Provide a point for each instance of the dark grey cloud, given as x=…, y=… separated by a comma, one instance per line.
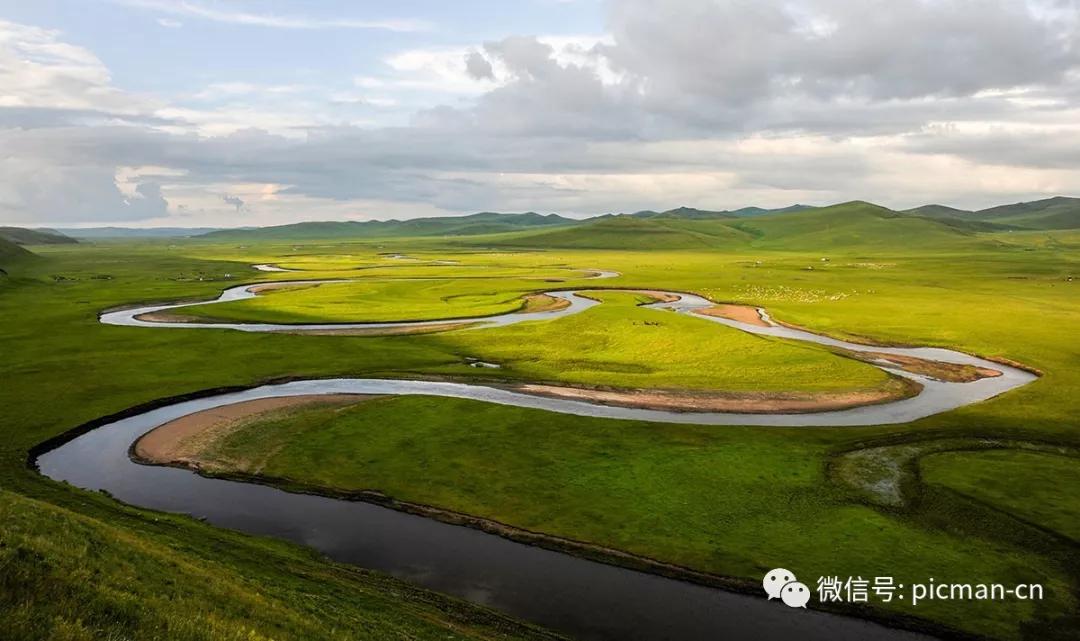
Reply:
x=1039, y=149
x=725, y=68
x=743, y=51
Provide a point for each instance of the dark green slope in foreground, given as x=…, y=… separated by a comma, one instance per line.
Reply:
x=21, y=236
x=107, y=572
x=482, y=223
x=10, y=253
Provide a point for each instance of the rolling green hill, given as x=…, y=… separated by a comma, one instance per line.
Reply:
x=938, y=211
x=691, y=213
x=1052, y=213
x=796, y=227
x=747, y=212
x=854, y=224
x=22, y=236
x=482, y=223
x=630, y=232
x=688, y=213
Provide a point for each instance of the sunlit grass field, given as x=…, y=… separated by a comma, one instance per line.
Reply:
x=731, y=501
x=615, y=344
x=620, y=344
x=374, y=301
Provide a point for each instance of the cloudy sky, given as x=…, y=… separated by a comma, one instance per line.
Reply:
x=242, y=112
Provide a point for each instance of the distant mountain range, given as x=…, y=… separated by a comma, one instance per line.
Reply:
x=93, y=233
x=475, y=224
x=680, y=227
x=854, y=224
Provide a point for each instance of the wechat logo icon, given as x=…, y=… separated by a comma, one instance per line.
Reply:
x=782, y=584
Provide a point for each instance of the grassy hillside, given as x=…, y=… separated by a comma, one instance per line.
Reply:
x=938, y=211
x=692, y=213
x=857, y=222
x=848, y=226
x=482, y=223
x=747, y=212
x=21, y=236
x=1051, y=213
x=629, y=232
x=10, y=253
x=683, y=212
x=103, y=571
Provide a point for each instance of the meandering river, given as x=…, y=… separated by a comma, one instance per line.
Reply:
x=585, y=599
x=935, y=397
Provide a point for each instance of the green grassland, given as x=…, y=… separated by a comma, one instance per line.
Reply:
x=732, y=501
x=1027, y=484
x=387, y=295
x=616, y=344
x=724, y=501
x=619, y=344
x=374, y=301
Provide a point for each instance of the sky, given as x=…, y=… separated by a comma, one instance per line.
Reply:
x=226, y=113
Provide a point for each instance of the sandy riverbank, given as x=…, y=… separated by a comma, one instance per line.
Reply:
x=741, y=313
x=180, y=442
x=735, y=402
